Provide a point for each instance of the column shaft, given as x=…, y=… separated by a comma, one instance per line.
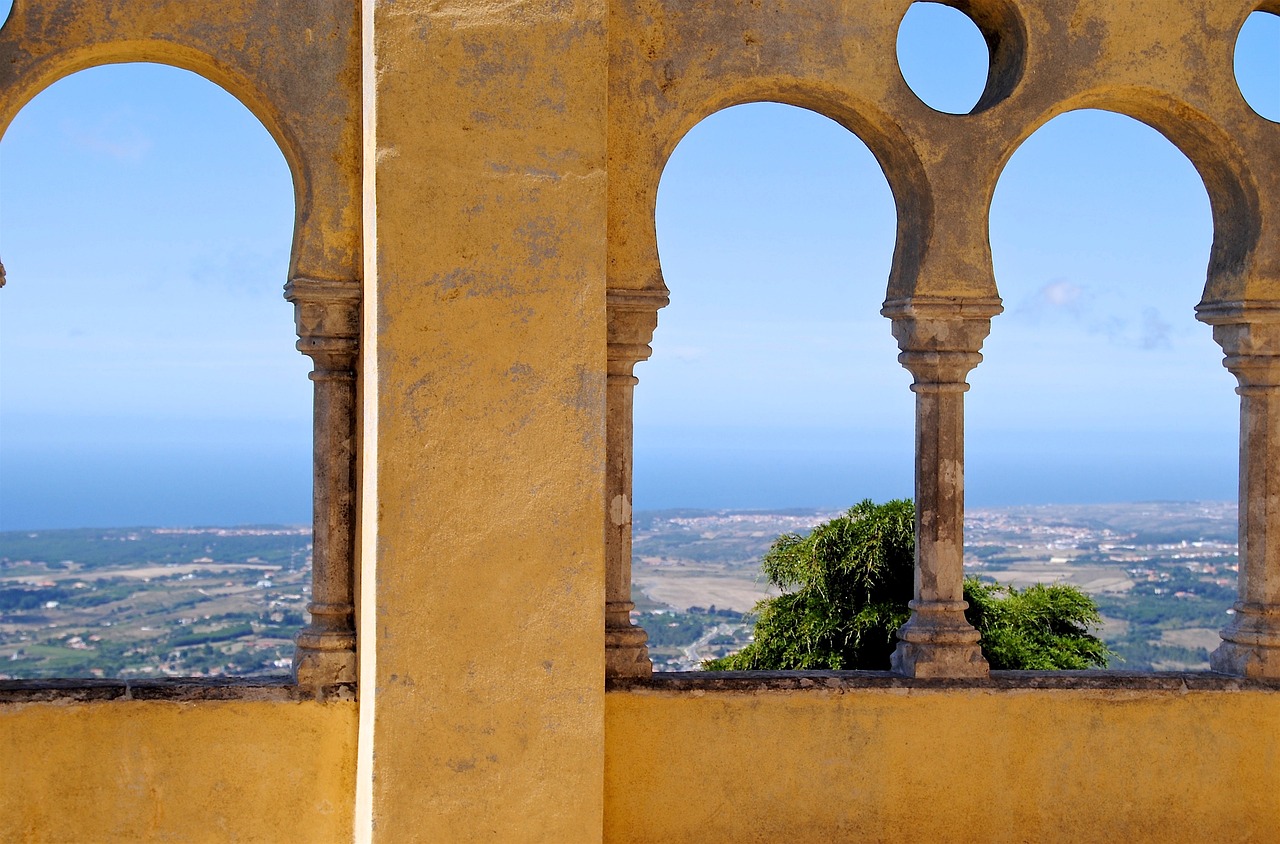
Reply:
x=633, y=315
x=940, y=343
x=626, y=652
x=327, y=316
x=1251, y=340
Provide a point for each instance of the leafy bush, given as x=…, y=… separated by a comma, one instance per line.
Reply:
x=845, y=591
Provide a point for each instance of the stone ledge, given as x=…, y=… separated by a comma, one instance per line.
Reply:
x=839, y=681
x=171, y=689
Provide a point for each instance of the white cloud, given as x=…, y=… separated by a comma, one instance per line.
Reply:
x=684, y=354
x=1056, y=297
x=1155, y=331
x=114, y=136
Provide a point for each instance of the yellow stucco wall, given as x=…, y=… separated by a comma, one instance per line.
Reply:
x=488, y=383
x=128, y=771
x=928, y=766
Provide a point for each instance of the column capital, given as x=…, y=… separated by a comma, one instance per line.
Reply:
x=327, y=316
x=940, y=339
x=1249, y=335
x=632, y=318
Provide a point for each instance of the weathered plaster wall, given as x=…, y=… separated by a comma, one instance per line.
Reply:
x=490, y=193
x=129, y=771
x=962, y=765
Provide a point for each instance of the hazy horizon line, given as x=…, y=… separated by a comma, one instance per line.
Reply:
x=647, y=511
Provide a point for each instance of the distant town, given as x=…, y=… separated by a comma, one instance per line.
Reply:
x=152, y=602
x=207, y=602
x=1163, y=574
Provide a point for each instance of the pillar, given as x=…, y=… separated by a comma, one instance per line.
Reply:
x=940, y=342
x=327, y=314
x=1250, y=339
x=633, y=316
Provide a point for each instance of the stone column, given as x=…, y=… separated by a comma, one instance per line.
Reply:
x=327, y=314
x=633, y=315
x=939, y=342
x=1250, y=337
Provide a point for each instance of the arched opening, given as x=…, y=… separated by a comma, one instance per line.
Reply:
x=154, y=405
x=943, y=57
x=1102, y=428
x=774, y=385
x=1257, y=63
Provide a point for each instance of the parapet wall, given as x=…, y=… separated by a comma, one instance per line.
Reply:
x=1138, y=759
x=116, y=770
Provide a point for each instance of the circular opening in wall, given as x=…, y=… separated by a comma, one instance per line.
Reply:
x=6, y=9
x=943, y=57
x=1258, y=63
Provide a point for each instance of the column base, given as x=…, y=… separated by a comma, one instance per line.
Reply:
x=937, y=641
x=1251, y=646
x=320, y=660
x=626, y=653
x=936, y=660
x=1246, y=661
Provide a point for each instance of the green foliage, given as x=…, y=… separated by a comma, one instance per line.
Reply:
x=843, y=594
x=1040, y=628
x=845, y=591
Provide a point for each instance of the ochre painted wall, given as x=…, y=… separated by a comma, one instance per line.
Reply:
x=129, y=771
x=932, y=766
x=487, y=615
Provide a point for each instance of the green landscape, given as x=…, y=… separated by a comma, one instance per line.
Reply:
x=1163, y=574
x=152, y=602
x=208, y=602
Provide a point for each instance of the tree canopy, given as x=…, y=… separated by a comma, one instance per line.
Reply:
x=845, y=589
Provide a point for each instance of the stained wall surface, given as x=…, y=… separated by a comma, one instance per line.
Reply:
x=963, y=765
x=488, y=718
x=197, y=771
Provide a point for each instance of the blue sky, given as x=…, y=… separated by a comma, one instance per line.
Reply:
x=147, y=368
x=147, y=373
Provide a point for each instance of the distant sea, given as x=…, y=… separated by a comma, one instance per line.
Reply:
x=1000, y=471
x=231, y=485
x=222, y=486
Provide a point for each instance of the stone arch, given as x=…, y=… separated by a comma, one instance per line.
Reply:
x=46, y=40
x=632, y=313
x=1100, y=233
x=61, y=65
x=239, y=46
x=887, y=141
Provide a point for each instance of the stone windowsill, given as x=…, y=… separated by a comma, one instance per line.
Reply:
x=839, y=681
x=170, y=689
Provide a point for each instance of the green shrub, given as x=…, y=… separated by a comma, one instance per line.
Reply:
x=845, y=591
